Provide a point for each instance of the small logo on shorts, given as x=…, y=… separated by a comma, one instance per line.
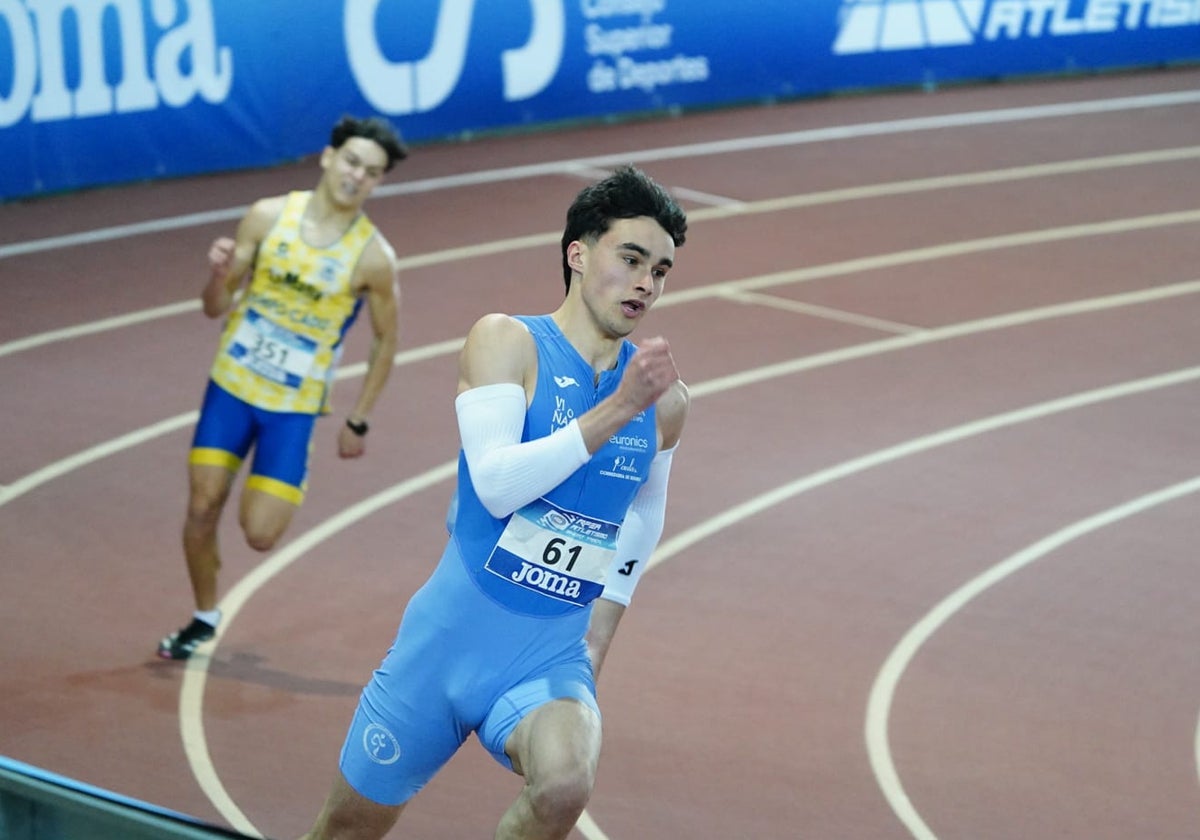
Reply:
x=380, y=745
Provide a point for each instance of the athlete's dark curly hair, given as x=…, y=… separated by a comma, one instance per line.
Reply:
x=625, y=194
x=372, y=128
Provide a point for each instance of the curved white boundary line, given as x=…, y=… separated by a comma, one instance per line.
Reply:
x=191, y=722
x=102, y=325
x=716, y=147
x=193, y=735
x=194, y=738
x=57, y=469
x=192, y=691
x=922, y=444
x=884, y=689
x=61, y=467
x=772, y=205
x=1197, y=756
x=35, y=479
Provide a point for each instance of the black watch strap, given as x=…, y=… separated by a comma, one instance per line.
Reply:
x=360, y=428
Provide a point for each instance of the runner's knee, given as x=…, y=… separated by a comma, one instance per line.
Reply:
x=561, y=798
x=204, y=507
x=261, y=536
x=264, y=518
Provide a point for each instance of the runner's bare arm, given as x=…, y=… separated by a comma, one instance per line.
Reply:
x=381, y=285
x=230, y=261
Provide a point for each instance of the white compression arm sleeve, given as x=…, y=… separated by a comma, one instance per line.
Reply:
x=506, y=472
x=640, y=532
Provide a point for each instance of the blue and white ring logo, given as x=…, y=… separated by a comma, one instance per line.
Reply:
x=556, y=520
x=380, y=745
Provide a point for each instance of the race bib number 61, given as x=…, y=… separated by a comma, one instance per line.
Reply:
x=559, y=553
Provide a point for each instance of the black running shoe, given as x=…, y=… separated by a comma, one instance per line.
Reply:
x=184, y=641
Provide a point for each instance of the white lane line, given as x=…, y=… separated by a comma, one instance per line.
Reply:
x=470, y=252
x=884, y=689
x=191, y=692
x=588, y=828
x=191, y=713
x=947, y=182
x=935, y=334
x=145, y=434
x=922, y=444
x=775, y=205
x=87, y=456
x=904, y=126
x=854, y=266
x=824, y=312
x=573, y=166
x=966, y=328
x=689, y=194
x=1197, y=751
x=91, y=237
x=191, y=696
x=114, y=323
x=589, y=173
x=406, y=357
x=936, y=252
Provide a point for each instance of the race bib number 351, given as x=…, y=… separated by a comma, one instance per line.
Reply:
x=272, y=351
x=559, y=553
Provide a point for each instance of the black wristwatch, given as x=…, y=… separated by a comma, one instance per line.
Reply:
x=360, y=428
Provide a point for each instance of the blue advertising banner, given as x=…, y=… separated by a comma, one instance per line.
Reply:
x=103, y=91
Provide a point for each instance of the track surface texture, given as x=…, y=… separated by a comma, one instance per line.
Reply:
x=929, y=567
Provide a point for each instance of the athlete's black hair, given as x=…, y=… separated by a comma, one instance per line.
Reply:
x=372, y=128
x=625, y=194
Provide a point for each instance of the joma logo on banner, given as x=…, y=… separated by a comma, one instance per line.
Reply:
x=149, y=78
x=152, y=74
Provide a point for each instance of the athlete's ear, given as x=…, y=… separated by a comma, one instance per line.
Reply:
x=575, y=255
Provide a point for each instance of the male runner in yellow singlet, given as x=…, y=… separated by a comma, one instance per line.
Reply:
x=312, y=259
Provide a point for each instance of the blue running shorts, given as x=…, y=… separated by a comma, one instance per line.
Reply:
x=460, y=663
x=282, y=442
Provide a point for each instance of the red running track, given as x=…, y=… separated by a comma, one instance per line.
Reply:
x=929, y=567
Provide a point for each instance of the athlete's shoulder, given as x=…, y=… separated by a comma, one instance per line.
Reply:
x=498, y=333
x=271, y=205
x=264, y=212
x=378, y=263
x=498, y=326
x=498, y=348
x=258, y=221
